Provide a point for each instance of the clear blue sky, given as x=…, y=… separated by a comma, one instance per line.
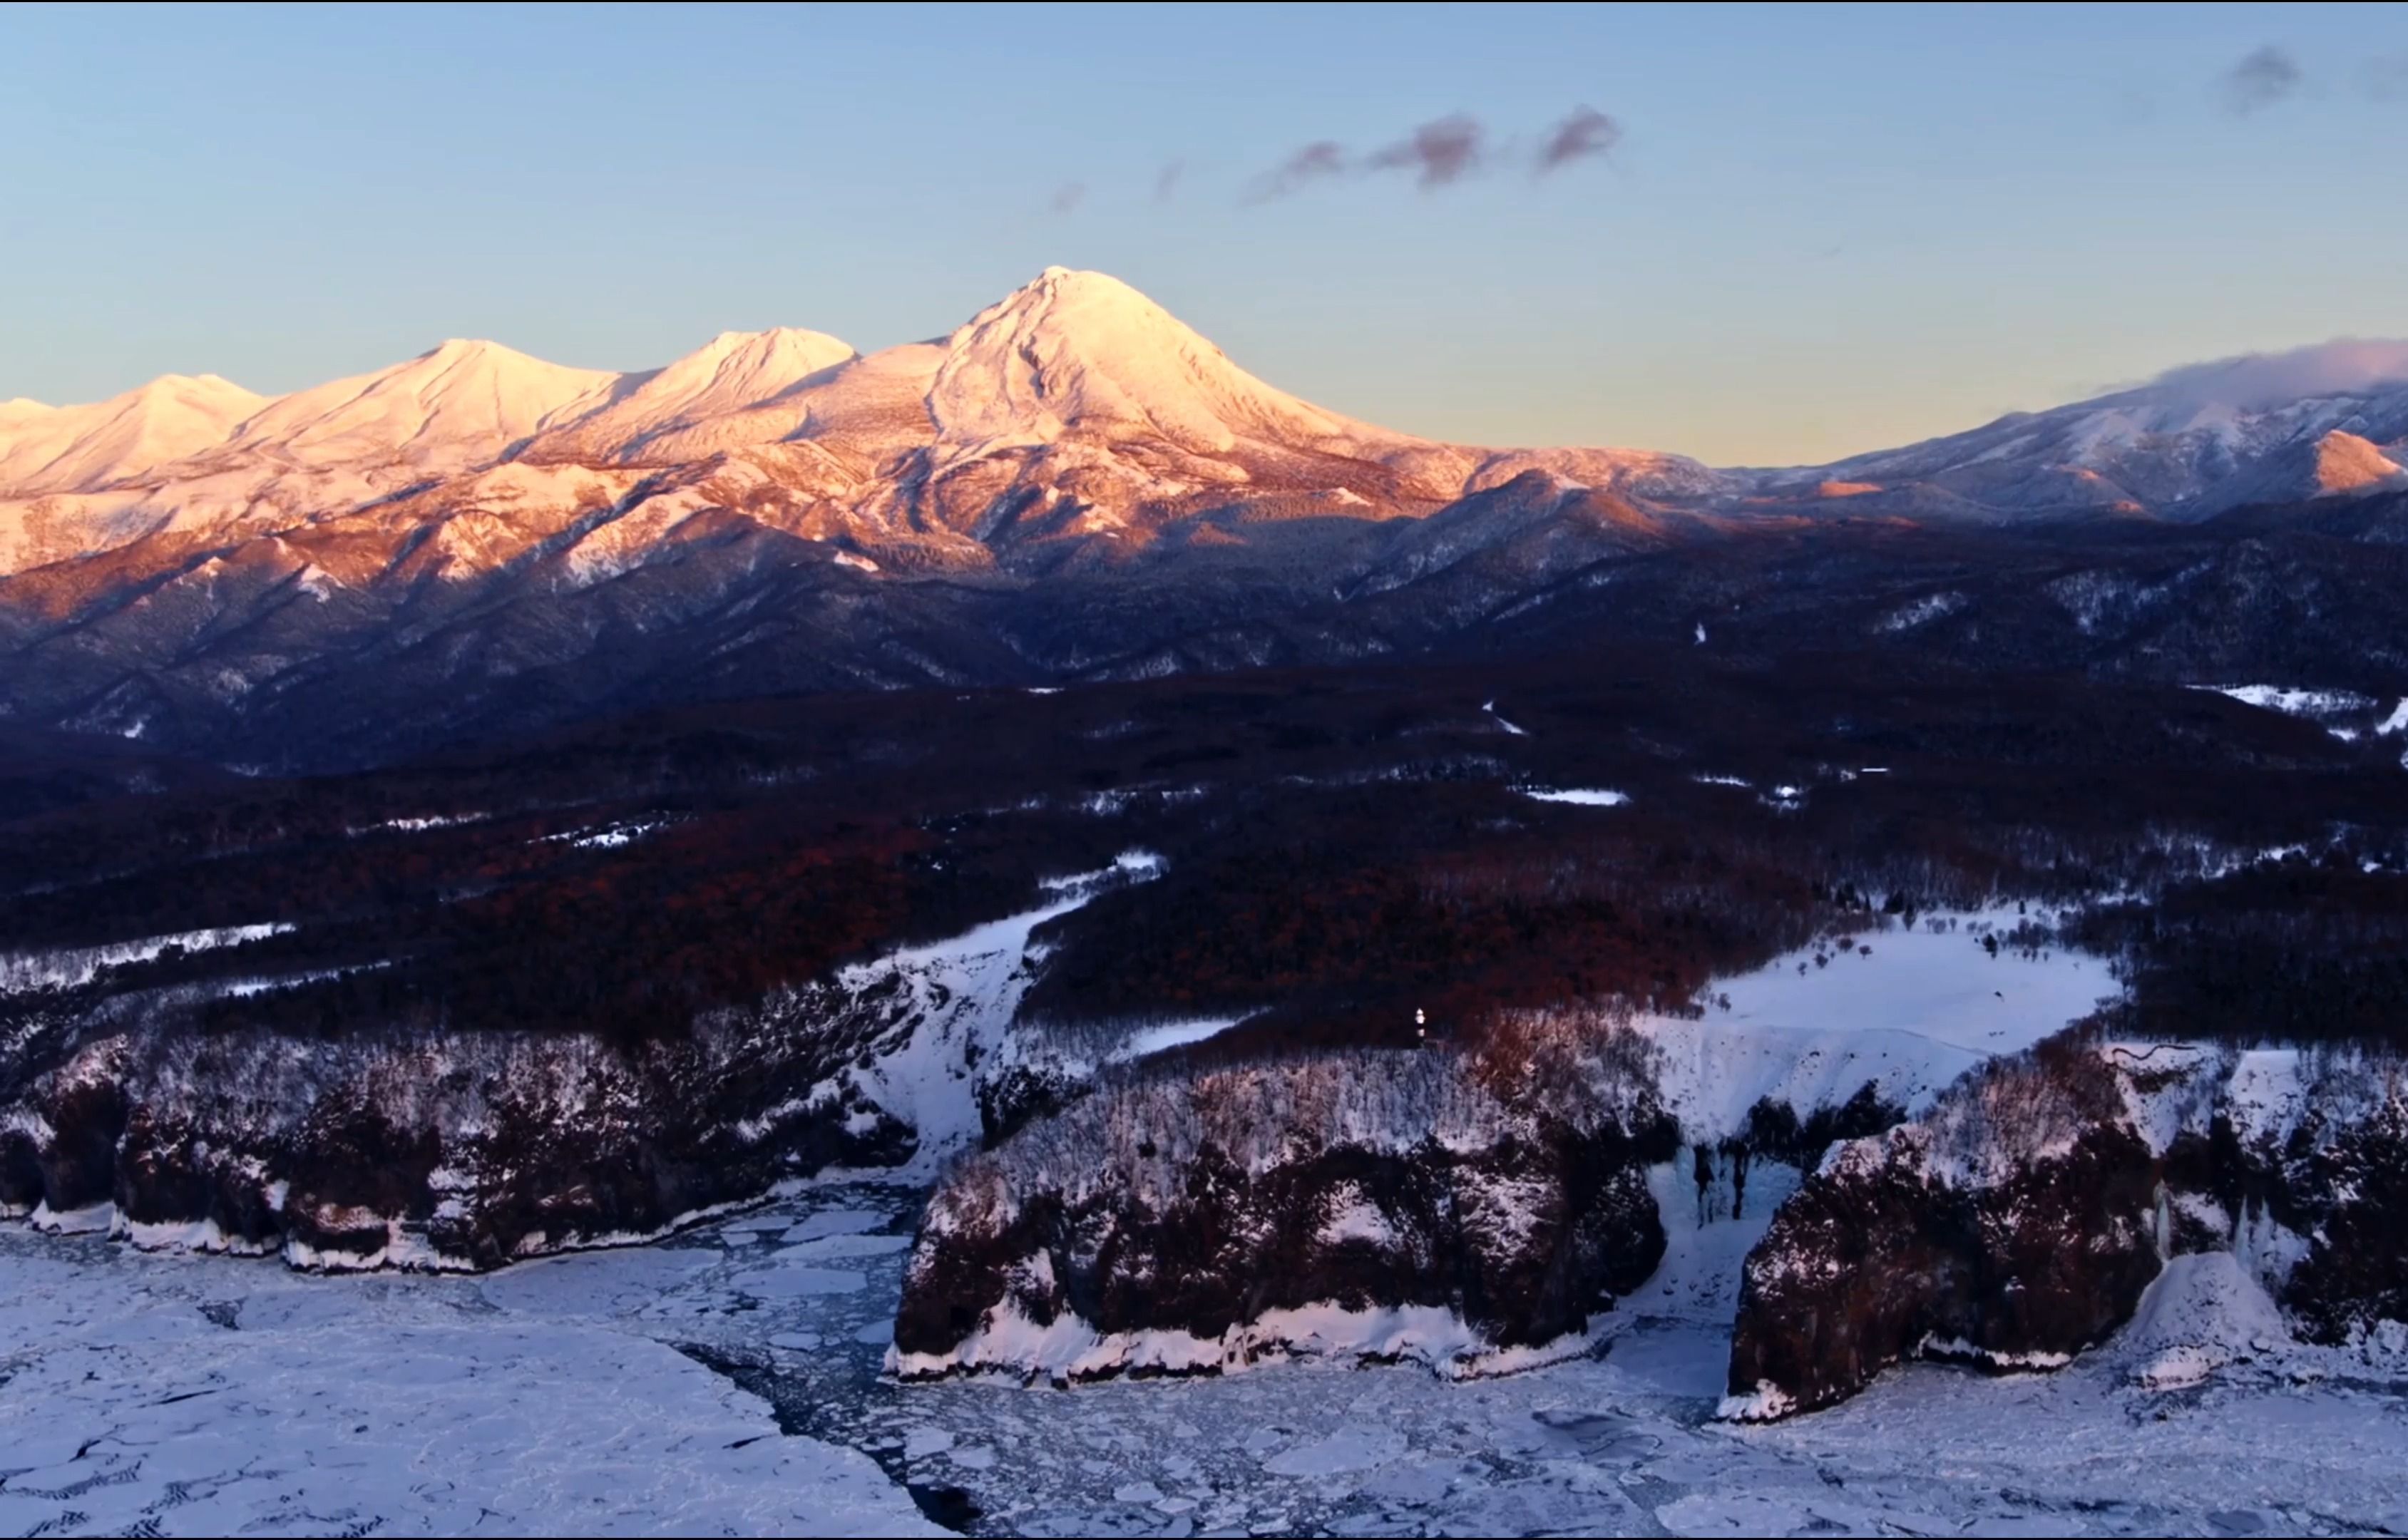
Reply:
x=1822, y=231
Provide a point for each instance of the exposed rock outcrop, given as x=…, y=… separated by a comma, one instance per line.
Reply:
x=405, y=1144
x=1438, y=1204
x=2020, y=1220
x=410, y=1148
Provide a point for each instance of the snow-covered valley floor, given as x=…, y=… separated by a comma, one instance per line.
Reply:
x=612, y=1392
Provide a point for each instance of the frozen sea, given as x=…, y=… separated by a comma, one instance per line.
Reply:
x=727, y=1381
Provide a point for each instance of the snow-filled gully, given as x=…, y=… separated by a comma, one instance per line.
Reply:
x=968, y=989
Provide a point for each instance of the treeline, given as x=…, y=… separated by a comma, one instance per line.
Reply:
x=2298, y=948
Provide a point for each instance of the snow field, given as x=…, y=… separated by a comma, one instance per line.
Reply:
x=1907, y=1008
x=175, y=1396
x=70, y=967
x=1578, y=796
x=542, y=1399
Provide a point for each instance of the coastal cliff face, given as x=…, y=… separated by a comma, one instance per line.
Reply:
x=1475, y=1204
x=1431, y=1205
x=451, y=1017
x=2020, y=1221
x=1425, y=1205
x=417, y=1147
x=417, y=1151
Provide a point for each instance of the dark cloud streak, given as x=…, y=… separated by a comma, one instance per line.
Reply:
x=1166, y=182
x=1439, y=154
x=1443, y=151
x=1317, y=162
x=1587, y=132
x=2263, y=77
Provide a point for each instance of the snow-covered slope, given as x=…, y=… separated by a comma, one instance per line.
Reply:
x=1638, y=473
x=859, y=410
x=78, y=449
x=623, y=526
x=1907, y=1014
x=461, y=405
x=21, y=412
x=1084, y=353
x=723, y=379
x=2191, y=443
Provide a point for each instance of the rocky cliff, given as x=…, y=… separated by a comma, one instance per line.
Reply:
x=412, y=1146
x=2020, y=1220
x=1437, y=1204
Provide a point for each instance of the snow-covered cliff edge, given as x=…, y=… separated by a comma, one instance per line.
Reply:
x=2021, y=1220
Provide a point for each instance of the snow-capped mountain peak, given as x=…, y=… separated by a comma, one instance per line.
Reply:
x=1077, y=409
x=732, y=373
x=1080, y=351
x=460, y=404
x=75, y=449
x=739, y=369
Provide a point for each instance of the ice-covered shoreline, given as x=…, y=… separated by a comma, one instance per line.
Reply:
x=177, y=1395
x=731, y=1376
x=202, y=1395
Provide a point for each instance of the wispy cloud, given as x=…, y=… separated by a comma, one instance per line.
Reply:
x=2263, y=77
x=1585, y=133
x=1437, y=152
x=1443, y=151
x=1317, y=162
x=1069, y=196
x=1166, y=182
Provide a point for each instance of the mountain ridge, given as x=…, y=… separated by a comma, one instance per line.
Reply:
x=1085, y=358
x=66, y=449
x=2184, y=446
x=1072, y=484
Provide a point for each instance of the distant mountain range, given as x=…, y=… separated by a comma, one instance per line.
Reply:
x=1074, y=411
x=1073, y=483
x=2273, y=429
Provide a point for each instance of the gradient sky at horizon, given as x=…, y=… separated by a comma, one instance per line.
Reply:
x=1822, y=231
